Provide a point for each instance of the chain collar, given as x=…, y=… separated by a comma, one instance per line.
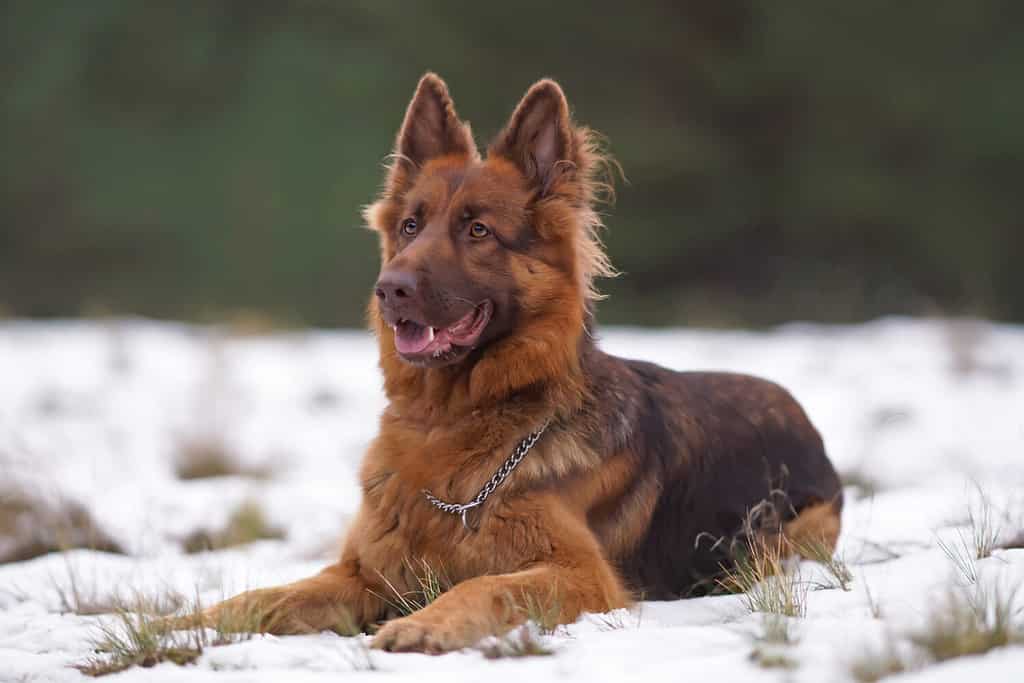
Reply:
x=495, y=481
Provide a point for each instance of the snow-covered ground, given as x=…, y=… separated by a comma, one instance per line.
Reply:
x=929, y=412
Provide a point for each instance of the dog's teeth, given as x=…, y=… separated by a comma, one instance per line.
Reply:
x=431, y=332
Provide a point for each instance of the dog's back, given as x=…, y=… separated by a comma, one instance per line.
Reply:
x=725, y=454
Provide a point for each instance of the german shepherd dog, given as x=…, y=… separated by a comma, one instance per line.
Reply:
x=513, y=453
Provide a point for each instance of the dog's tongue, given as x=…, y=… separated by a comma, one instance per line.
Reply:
x=411, y=337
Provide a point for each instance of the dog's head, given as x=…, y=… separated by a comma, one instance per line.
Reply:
x=474, y=250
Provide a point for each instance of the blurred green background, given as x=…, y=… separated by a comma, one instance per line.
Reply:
x=808, y=160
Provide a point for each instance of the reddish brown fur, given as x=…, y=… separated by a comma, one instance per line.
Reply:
x=589, y=516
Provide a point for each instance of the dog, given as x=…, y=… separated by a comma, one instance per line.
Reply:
x=514, y=454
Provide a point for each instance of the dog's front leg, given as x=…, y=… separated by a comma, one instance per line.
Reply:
x=555, y=589
x=334, y=599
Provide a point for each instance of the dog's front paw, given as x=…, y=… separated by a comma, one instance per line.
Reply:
x=417, y=634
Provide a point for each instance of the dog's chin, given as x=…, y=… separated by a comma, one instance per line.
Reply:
x=425, y=346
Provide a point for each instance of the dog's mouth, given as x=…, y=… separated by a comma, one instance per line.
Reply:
x=420, y=342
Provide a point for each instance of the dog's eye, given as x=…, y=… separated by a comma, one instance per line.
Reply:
x=409, y=227
x=479, y=230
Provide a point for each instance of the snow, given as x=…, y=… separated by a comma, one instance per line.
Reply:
x=932, y=411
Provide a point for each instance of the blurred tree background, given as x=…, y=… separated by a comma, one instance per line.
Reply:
x=807, y=160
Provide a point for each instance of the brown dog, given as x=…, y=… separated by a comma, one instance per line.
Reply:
x=483, y=316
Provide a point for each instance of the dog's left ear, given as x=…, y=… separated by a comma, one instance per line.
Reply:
x=539, y=136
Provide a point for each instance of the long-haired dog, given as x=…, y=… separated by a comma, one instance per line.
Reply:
x=516, y=457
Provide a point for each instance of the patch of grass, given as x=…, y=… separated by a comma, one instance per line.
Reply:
x=76, y=598
x=520, y=642
x=971, y=625
x=32, y=526
x=821, y=552
x=135, y=637
x=872, y=666
x=209, y=457
x=246, y=524
x=964, y=624
x=132, y=641
x=430, y=582
x=761, y=576
x=976, y=542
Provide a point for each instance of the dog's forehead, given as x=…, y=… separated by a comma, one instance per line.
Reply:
x=491, y=184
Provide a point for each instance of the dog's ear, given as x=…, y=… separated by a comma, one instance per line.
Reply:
x=431, y=129
x=539, y=136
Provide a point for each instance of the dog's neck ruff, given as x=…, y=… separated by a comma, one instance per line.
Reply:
x=495, y=481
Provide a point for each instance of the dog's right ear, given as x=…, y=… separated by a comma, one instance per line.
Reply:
x=431, y=129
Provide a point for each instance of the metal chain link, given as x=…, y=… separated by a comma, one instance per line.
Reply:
x=495, y=481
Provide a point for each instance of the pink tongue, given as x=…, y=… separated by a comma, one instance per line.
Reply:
x=412, y=338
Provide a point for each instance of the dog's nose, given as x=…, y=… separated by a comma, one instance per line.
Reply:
x=395, y=285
